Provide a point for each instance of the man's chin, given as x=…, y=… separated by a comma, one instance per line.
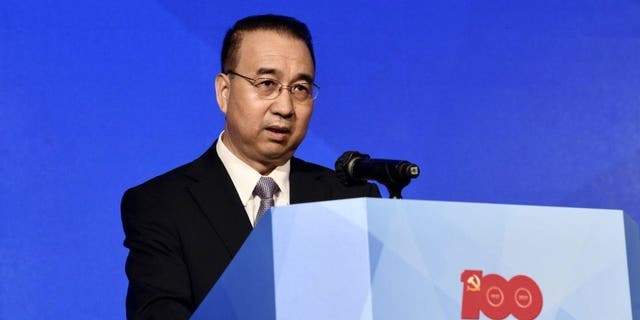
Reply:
x=278, y=157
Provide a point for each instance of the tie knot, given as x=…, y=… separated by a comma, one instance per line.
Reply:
x=266, y=188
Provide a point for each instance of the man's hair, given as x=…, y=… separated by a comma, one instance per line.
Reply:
x=269, y=22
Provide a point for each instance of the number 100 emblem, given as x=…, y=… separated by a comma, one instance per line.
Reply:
x=497, y=298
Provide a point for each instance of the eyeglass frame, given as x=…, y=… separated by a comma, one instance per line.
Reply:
x=289, y=87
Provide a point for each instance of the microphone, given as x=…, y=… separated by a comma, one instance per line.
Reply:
x=354, y=168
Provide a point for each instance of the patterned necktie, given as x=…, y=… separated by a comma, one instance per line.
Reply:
x=265, y=189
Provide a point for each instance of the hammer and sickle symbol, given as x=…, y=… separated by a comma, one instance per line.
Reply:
x=473, y=283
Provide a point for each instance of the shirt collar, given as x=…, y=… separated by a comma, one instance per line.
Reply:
x=244, y=177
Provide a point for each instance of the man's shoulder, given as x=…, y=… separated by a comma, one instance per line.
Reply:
x=324, y=183
x=316, y=172
x=166, y=183
x=300, y=165
x=205, y=167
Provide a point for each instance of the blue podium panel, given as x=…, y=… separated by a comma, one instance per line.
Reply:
x=404, y=259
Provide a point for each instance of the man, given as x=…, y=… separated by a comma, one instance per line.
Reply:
x=184, y=227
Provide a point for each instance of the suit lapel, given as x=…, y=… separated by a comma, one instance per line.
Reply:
x=217, y=197
x=214, y=192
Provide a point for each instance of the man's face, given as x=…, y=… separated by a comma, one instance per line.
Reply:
x=265, y=133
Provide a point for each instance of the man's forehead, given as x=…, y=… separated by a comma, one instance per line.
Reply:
x=266, y=52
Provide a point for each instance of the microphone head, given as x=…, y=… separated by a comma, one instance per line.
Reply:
x=344, y=168
x=408, y=170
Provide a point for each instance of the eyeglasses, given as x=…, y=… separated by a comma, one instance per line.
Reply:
x=269, y=88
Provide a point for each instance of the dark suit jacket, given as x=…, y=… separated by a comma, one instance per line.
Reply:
x=182, y=229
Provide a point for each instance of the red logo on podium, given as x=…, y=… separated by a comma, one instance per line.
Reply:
x=497, y=298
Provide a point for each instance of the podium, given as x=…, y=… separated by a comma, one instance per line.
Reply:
x=408, y=259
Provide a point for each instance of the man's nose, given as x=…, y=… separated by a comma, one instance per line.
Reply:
x=283, y=104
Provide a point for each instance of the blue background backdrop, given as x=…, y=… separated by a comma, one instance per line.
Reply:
x=527, y=102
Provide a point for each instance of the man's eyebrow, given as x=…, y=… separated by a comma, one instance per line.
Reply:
x=263, y=71
x=306, y=77
x=269, y=71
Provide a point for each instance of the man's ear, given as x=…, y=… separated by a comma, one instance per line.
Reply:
x=222, y=91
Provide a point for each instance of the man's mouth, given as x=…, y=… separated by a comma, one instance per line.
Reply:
x=276, y=129
x=278, y=133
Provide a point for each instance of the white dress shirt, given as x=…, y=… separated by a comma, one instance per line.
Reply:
x=245, y=178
